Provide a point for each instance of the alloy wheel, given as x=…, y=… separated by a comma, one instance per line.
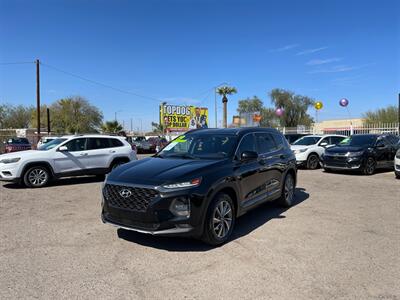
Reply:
x=289, y=189
x=37, y=177
x=313, y=162
x=222, y=219
x=370, y=166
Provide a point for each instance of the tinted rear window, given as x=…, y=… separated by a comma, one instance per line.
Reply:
x=18, y=141
x=98, y=143
x=116, y=143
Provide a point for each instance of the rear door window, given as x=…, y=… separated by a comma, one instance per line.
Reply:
x=98, y=143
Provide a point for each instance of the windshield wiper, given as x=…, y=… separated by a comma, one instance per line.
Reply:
x=184, y=156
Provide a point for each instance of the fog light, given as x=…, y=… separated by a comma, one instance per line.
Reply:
x=180, y=207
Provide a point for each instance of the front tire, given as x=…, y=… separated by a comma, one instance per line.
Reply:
x=397, y=174
x=220, y=220
x=370, y=165
x=36, y=177
x=312, y=161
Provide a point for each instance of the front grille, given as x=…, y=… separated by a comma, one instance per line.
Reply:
x=138, y=200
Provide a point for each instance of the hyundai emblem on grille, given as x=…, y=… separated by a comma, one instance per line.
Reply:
x=125, y=193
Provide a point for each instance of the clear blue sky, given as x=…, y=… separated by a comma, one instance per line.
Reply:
x=178, y=50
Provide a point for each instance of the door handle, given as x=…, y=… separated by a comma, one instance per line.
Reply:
x=83, y=154
x=112, y=151
x=282, y=156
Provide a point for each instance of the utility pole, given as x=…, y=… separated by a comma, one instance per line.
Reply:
x=131, y=125
x=48, y=121
x=225, y=113
x=38, y=98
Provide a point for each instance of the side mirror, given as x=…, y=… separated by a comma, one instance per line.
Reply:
x=249, y=155
x=323, y=144
x=380, y=145
x=63, y=148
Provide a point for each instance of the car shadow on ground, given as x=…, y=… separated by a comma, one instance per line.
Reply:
x=359, y=173
x=244, y=225
x=62, y=181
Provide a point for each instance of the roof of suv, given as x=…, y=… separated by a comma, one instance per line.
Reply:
x=233, y=131
x=92, y=136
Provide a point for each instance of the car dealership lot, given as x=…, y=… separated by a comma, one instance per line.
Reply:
x=341, y=240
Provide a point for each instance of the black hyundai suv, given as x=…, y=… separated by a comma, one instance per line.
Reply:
x=200, y=183
x=362, y=152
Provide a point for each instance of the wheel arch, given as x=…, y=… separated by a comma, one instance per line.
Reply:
x=123, y=159
x=37, y=164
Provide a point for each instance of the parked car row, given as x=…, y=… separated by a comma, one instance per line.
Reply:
x=201, y=182
x=362, y=152
x=150, y=145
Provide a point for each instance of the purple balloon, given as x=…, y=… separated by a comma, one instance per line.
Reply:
x=279, y=112
x=344, y=102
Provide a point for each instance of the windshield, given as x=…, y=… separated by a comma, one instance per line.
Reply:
x=51, y=144
x=359, y=140
x=200, y=146
x=307, y=140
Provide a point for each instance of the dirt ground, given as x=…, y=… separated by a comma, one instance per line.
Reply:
x=340, y=241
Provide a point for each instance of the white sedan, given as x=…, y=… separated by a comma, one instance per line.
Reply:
x=309, y=149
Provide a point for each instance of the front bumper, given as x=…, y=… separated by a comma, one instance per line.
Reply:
x=156, y=218
x=342, y=162
x=9, y=172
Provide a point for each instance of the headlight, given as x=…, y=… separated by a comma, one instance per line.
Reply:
x=298, y=151
x=10, y=160
x=353, y=154
x=182, y=185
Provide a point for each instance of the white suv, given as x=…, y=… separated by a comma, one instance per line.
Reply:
x=309, y=148
x=66, y=156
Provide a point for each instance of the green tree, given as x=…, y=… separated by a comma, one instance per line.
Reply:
x=224, y=91
x=75, y=115
x=250, y=105
x=383, y=115
x=111, y=127
x=295, y=107
x=255, y=104
x=15, y=116
x=43, y=117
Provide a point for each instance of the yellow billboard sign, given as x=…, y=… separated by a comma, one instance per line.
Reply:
x=182, y=117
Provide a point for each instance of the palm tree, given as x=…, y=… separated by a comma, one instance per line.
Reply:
x=111, y=127
x=223, y=91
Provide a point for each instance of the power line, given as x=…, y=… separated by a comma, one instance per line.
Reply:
x=100, y=83
x=17, y=63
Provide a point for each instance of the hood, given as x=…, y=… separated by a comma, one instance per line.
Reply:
x=344, y=149
x=18, y=154
x=154, y=170
x=299, y=147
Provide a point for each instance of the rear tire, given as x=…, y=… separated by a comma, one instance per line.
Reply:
x=36, y=177
x=327, y=170
x=312, y=162
x=220, y=220
x=370, y=166
x=288, y=189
